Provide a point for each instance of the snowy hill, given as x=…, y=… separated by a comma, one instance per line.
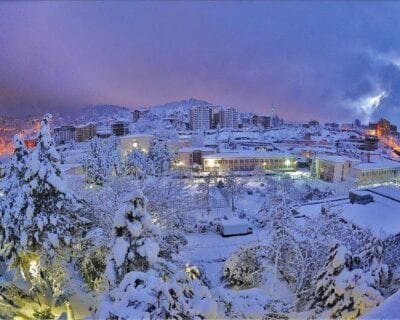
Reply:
x=98, y=113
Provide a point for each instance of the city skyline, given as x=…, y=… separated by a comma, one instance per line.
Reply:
x=330, y=61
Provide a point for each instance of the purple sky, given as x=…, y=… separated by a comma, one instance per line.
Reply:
x=325, y=60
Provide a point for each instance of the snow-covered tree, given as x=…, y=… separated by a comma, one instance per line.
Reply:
x=103, y=161
x=45, y=214
x=159, y=158
x=97, y=166
x=343, y=290
x=41, y=222
x=135, y=246
x=137, y=163
x=142, y=285
x=233, y=187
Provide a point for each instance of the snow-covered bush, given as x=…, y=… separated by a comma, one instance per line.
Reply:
x=245, y=267
x=171, y=241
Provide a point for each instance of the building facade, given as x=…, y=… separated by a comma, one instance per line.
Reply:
x=333, y=168
x=190, y=156
x=127, y=144
x=64, y=134
x=120, y=128
x=229, y=118
x=249, y=161
x=200, y=118
x=85, y=132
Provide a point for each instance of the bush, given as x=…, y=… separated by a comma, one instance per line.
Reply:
x=245, y=267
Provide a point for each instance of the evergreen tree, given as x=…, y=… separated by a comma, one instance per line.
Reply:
x=96, y=165
x=143, y=286
x=137, y=163
x=135, y=246
x=11, y=187
x=40, y=218
x=159, y=158
x=44, y=216
x=343, y=289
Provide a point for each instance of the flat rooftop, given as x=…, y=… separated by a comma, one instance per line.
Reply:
x=382, y=216
x=248, y=154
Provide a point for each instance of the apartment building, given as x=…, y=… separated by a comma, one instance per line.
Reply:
x=85, y=132
x=229, y=118
x=64, y=134
x=200, y=118
x=120, y=128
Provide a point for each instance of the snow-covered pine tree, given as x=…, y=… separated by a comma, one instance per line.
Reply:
x=43, y=220
x=97, y=166
x=342, y=289
x=137, y=163
x=371, y=259
x=10, y=188
x=46, y=211
x=142, y=285
x=159, y=158
x=135, y=246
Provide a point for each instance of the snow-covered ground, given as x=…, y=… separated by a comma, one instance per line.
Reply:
x=382, y=215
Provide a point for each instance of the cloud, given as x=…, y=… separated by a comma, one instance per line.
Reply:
x=321, y=60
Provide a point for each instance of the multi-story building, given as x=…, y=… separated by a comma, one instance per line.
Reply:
x=216, y=120
x=64, y=134
x=85, y=132
x=200, y=117
x=261, y=121
x=377, y=172
x=249, y=161
x=382, y=128
x=120, y=128
x=333, y=168
x=190, y=156
x=228, y=118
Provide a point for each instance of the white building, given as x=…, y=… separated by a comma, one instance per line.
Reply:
x=200, y=117
x=249, y=161
x=333, y=168
x=229, y=118
x=189, y=156
x=379, y=171
x=127, y=144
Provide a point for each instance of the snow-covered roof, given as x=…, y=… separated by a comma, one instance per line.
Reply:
x=381, y=215
x=381, y=164
x=191, y=149
x=136, y=135
x=248, y=154
x=337, y=159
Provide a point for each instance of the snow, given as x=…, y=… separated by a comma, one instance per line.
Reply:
x=388, y=309
x=382, y=215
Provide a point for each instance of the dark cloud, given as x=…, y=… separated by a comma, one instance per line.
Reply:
x=325, y=60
